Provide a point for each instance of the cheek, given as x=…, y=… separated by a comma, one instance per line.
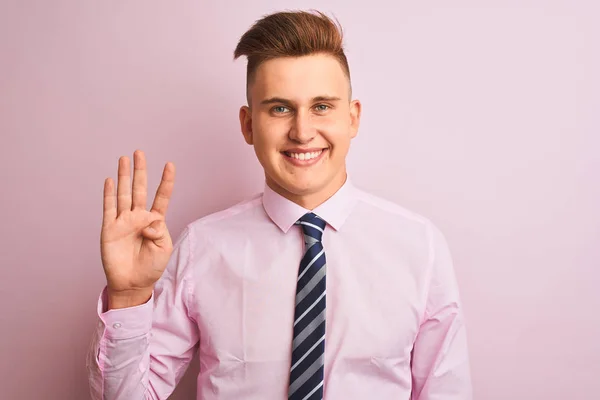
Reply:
x=338, y=134
x=273, y=135
x=329, y=123
x=335, y=127
x=266, y=141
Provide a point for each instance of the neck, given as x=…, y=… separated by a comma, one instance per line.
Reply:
x=312, y=200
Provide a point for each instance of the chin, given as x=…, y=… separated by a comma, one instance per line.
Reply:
x=301, y=187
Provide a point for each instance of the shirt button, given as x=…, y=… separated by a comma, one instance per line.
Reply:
x=116, y=325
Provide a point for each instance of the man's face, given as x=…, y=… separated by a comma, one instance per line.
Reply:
x=301, y=121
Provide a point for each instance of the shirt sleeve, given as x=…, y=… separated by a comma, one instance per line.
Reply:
x=440, y=360
x=142, y=352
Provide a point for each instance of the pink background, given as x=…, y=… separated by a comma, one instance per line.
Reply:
x=482, y=117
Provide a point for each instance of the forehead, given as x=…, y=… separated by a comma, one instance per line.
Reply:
x=300, y=78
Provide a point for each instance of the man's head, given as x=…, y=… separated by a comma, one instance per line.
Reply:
x=300, y=116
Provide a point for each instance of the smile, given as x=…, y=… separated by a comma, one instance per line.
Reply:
x=304, y=158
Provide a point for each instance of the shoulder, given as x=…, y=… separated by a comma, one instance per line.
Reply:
x=385, y=208
x=236, y=212
x=397, y=220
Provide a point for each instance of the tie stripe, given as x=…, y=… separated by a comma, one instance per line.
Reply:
x=310, y=328
x=310, y=285
x=302, y=313
x=311, y=257
x=313, y=226
x=308, y=346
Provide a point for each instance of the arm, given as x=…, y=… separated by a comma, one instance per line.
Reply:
x=440, y=360
x=141, y=352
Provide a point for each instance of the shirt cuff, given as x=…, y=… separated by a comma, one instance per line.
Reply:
x=125, y=323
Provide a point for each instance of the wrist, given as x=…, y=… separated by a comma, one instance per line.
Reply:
x=128, y=298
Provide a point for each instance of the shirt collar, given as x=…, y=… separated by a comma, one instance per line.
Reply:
x=284, y=213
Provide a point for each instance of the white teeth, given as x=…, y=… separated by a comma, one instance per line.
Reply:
x=305, y=156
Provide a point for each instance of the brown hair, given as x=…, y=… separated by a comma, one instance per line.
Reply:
x=291, y=34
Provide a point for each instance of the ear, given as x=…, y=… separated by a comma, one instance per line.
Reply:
x=246, y=124
x=355, y=111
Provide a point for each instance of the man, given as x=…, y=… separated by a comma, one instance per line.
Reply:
x=313, y=289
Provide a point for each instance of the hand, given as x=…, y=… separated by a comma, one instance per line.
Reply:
x=135, y=243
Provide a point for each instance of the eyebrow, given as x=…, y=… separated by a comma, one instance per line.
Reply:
x=286, y=101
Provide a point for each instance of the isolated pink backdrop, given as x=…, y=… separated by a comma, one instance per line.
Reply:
x=482, y=116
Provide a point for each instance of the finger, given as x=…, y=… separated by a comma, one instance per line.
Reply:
x=152, y=231
x=165, y=189
x=123, y=186
x=140, y=180
x=110, y=201
x=158, y=233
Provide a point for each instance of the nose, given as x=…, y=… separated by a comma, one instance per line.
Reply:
x=302, y=130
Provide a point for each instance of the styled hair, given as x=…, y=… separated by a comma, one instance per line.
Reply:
x=291, y=34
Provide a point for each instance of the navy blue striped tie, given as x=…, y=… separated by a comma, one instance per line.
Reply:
x=308, y=347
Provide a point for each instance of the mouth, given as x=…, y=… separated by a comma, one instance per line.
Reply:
x=301, y=157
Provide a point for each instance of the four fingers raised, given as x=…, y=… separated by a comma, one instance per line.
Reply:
x=128, y=198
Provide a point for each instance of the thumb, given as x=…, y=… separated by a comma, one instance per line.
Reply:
x=157, y=232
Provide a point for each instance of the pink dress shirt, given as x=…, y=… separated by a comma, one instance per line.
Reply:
x=394, y=326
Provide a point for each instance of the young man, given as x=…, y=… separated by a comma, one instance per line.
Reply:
x=313, y=289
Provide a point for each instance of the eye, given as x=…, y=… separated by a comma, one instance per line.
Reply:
x=280, y=109
x=322, y=107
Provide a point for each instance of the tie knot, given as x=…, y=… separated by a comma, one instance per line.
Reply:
x=312, y=226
